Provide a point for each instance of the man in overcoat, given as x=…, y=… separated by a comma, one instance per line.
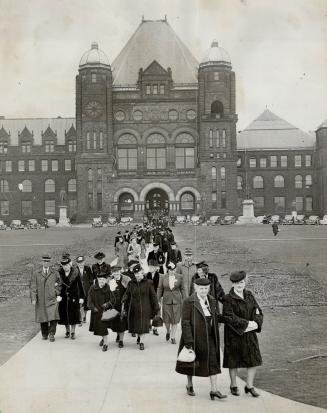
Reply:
x=45, y=288
x=187, y=269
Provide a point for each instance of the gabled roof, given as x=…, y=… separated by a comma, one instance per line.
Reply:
x=154, y=40
x=37, y=127
x=269, y=131
x=155, y=68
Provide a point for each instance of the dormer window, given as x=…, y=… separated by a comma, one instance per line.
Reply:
x=26, y=147
x=93, y=77
x=3, y=147
x=49, y=146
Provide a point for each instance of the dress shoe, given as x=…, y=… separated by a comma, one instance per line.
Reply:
x=51, y=338
x=190, y=390
x=72, y=336
x=101, y=343
x=234, y=390
x=105, y=347
x=173, y=341
x=120, y=344
x=67, y=335
x=217, y=394
x=252, y=391
x=155, y=332
x=167, y=336
x=44, y=337
x=141, y=346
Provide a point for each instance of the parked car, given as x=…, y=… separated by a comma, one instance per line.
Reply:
x=299, y=220
x=227, y=220
x=195, y=220
x=214, y=220
x=288, y=220
x=126, y=220
x=274, y=218
x=16, y=224
x=32, y=224
x=259, y=219
x=266, y=219
x=180, y=219
x=312, y=220
x=97, y=222
x=323, y=221
x=112, y=221
x=2, y=225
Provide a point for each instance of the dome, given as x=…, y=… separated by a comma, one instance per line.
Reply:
x=94, y=57
x=216, y=55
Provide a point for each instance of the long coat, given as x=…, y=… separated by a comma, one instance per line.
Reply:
x=155, y=279
x=195, y=332
x=174, y=256
x=187, y=270
x=96, y=298
x=171, y=299
x=71, y=291
x=216, y=290
x=241, y=349
x=44, y=290
x=87, y=281
x=121, y=252
x=117, y=324
x=140, y=302
x=159, y=257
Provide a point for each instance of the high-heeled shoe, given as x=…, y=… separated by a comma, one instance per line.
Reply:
x=167, y=336
x=234, y=390
x=190, y=390
x=217, y=394
x=141, y=346
x=101, y=343
x=252, y=391
x=67, y=335
x=173, y=341
x=72, y=336
x=105, y=347
x=121, y=344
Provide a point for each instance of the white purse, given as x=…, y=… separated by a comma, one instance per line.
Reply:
x=186, y=355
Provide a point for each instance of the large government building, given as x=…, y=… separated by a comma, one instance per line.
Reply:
x=156, y=130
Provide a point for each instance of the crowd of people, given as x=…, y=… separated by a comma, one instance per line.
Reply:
x=151, y=284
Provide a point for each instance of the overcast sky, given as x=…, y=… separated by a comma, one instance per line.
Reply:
x=278, y=50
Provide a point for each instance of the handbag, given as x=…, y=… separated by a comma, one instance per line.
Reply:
x=186, y=355
x=109, y=314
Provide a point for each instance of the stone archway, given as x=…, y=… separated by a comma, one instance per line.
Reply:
x=160, y=185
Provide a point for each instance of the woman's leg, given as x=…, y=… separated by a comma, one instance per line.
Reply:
x=189, y=381
x=213, y=382
x=173, y=330
x=105, y=339
x=232, y=375
x=251, y=371
x=121, y=336
x=168, y=331
x=67, y=328
x=72, y=327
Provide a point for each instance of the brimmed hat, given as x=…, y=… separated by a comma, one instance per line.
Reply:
x=202, y=281
x=46, y=257
x=132, y=262
x=116, y=268
x=101, y=275
x=173, y=243
x=155, y=244
x=65, y=260
x=80, y=258
x=201, y=264
x=99, y=255
x=137, y=268
x=237, y=276
x=188, y=251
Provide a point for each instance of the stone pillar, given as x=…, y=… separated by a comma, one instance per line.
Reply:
x=248, y=213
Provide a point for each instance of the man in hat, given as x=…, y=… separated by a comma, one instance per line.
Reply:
x=216, y=290
x=174, y=254
x=187, y=269
x=157, y=255
x=45, y=288
x=119, y=235
x=100, y=266
x=86, y=275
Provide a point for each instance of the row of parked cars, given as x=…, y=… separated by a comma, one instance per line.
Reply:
x=198, y=220
x=28, y=224
x=112, y=221
x=292, y=220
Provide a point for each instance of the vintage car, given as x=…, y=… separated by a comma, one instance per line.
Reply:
x=266, y=219
x=323, y=221
x=112, y=221
x=195, y=220
x=16, y=224
x=288, y=220
x=214, y=220
x=126, y=220
x=228, y=220
x=274, y=218
x=97, y=222
x=3, y=225
x=299, y=220
x=259, y=219
x=180, y=219
x=312, y=220
x=32, y=224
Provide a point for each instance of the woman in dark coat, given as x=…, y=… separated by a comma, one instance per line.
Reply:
x=72, y=293
x=243, y=319
x=140, y=304
x=99, y=294
x=200, y=316
x=117, y=288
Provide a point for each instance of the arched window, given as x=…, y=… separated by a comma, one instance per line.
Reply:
x=127, y=139
x=213, y=172
x=185, y=138
x=187, y=201
x=126, y=203
x=156, y=152
x=49, y=185
x=308, y=181
x=217, y=108
x=72, y=185
x=258, y=182
x=279, y=181
x=4, y=187
x=27, y=186
x=239, y=182
x=298, y=181
x=155, y=139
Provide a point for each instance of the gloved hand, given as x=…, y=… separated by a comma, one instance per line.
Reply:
x=81, y=301
x=59, y=299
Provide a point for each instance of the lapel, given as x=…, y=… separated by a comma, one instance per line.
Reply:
x=43, y=275
x=197, y=305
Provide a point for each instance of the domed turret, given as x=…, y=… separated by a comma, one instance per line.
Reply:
x=216, y=56
x=94, y=57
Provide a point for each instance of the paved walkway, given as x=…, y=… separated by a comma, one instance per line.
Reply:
x=76, y=376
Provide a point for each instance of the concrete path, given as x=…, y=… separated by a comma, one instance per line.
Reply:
x=76, y=376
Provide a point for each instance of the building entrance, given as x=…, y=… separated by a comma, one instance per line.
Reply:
x=156, y=202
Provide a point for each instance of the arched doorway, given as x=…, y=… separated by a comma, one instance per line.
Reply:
x=126, y=204
x=187, y=203
x=156, y=201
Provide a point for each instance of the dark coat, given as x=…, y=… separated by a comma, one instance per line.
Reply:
x=140, y=302
x=101, y=268
x=158, y=256
x=147, y=236
x=195, y=333
x=96, y=298
x=44, y=290
x=71, y=292
x=174, y=256
x=216, y=290
x=241, y=349
x=117, y=324
x=155, y=279
x=87, y=281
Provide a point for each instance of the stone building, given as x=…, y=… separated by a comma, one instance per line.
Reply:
x=156, y=130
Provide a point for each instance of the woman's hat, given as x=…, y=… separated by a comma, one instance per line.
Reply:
x=137, y=268
x=171, y=265
x=46, y=257
x=65, y=261
x=202, y=281
x=80, y=258
x=132, y=262
x=101, y=275
x=237, y=276
x=115, y=269
x=201, y=264
x=99, y=255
